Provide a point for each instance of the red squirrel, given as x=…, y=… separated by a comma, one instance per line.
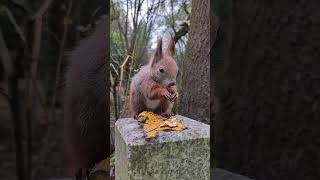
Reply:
x=153, y=88
x=86, y=100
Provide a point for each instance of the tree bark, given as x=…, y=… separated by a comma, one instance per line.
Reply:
x=194, y=100
x=266, y=83
x=15, y=109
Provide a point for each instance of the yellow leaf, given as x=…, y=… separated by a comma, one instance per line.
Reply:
x=176, y=125
x=154, y=123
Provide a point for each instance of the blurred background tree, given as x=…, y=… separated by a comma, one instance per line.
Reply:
x=194, y=101
x=266, y=88
x=35, y=37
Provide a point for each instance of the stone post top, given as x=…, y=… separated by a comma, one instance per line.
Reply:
x=133, y=134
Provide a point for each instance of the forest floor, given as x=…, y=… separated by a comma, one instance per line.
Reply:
x=52, y=166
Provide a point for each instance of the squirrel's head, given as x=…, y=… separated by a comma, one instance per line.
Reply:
x=164, y=69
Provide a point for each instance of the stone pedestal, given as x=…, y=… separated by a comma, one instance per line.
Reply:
x=221, y=174
x=172, y=155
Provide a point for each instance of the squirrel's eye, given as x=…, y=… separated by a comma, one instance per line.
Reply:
x=161, y=70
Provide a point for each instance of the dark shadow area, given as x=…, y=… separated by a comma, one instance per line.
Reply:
x=36, y=41
x=265, y=88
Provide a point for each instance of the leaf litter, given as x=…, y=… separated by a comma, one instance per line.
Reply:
x=153, y=124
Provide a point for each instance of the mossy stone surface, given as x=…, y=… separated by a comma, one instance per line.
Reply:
x=172, y=155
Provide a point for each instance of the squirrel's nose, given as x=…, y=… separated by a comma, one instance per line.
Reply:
x=172, y=84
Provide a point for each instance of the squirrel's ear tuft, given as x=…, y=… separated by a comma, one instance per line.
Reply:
x=171, y=47
x=158, y=54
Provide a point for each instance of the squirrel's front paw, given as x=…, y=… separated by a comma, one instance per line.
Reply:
x=171, y=96
x=167, y=115
x=174, y=97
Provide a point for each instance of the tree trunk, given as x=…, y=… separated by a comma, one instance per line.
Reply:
x=194, y=100
x=267, y=83
x=22, y=140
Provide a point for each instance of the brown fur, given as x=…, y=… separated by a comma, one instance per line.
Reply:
x=150, y=85
x=86, y=103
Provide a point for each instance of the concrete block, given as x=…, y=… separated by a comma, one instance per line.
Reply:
x=172, y=155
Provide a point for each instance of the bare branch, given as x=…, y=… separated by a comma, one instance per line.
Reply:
x=184, y=7
x=53, y=100
x=43, y=8
x=121, y=32
x=54, y=35
x=37, y=35
x=58, y=70
x=14, y=23
x=121, y=69
x=126, y=26
x=4, y=94
x=111, y=80
x=5, y=56
x=22, y=4
x=172, y=17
